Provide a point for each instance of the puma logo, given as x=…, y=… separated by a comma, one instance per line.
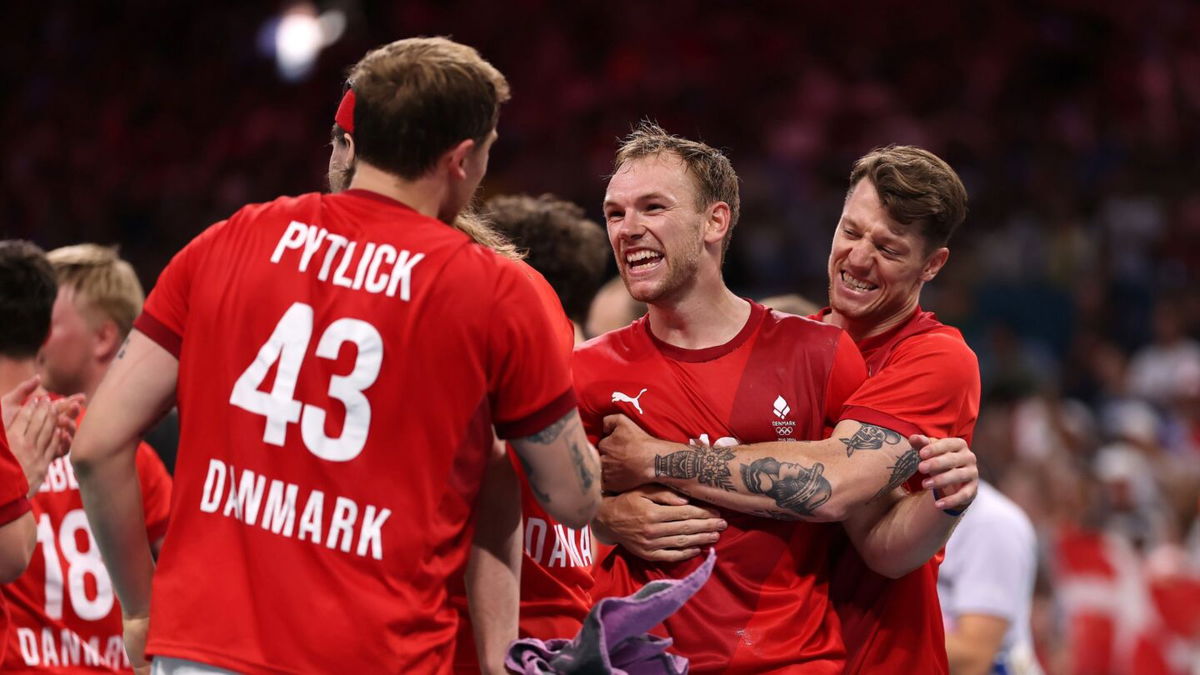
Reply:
x=618, y=397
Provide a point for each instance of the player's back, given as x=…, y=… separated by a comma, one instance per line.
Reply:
x=337, y=356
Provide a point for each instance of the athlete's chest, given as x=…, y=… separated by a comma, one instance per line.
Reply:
x=739, y=397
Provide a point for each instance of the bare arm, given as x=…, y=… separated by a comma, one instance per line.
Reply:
x=493, y=576
x=655, y=523
x=816, y=481
x=138, y=388
x=972, y=645
x=563, y=470
x=898, y=533
x=18, y=538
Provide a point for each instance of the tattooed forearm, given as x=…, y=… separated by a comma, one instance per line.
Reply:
x=581, y=466
x=706, y=464
x=870, y=437
x=532, y=479
x=792, y=486
x=905, y=466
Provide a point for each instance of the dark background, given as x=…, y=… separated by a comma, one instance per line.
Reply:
x=1075, y=126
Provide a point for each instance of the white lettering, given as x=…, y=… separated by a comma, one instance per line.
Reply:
x=49, y=653
x=557, y=553
x=362, y=265
x=311, y=243
x=69, y=642
x=535, y=525
x=375, y=282
x=292, y=237
x=280, y=512
x=402, y=274
x=340, y=278
x=91, y=651
x=567, y=537
x=585, y=545
x=336, y=242
x=114, y=652
x=249, y=496
x=372, y=533
x=29, y=647
x=310, y=520
x=232, y=506
x=214, y=485
x=341, y=525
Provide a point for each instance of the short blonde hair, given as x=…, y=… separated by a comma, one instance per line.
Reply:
x=101, y=280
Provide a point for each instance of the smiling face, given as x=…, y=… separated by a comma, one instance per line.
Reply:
x=656, y=232
x=877, y=266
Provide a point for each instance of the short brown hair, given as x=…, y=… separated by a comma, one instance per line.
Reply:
x=101, y=280
x=27, y=292
x=417, y=98
x=710, y=169
x=915, y=186
x=561, y=243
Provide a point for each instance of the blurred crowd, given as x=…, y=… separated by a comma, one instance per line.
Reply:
x=1074, y=124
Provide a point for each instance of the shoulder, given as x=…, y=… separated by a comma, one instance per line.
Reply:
x=941, y=342
x=613, y=346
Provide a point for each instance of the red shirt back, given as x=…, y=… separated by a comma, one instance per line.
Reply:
x=66, y=618
x=924, y=379
x=556, y=565
x=783, y=377
x=342, y=360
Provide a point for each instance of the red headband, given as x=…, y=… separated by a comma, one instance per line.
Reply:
x=345, y=112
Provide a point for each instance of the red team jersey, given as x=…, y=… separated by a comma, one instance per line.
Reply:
x=924, y=379
x=66, y=618
x=14, y=503
x=556, y=566
x=766, y=606
x=342, y=362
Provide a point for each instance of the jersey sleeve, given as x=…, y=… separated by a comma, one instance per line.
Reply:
x=14, y=488
x=156, y=491
x=848, y=373
x=929, y=386
x=593, y=420
x=164, y=316
x=529, y=377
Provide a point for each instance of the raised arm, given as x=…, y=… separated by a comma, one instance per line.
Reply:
x=815, y=481
x=137, y=389
x=563, y=470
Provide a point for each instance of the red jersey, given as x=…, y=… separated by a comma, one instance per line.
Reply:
x=783, y=377
x=14, y=503
x=556, y=564
x=66, y=618
x=924, y=379
x=342, y=362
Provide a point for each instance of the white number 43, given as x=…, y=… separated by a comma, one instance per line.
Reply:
x=287, y=346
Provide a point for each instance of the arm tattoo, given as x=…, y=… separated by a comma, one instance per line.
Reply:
x=793, y=487
x=708, y=465
x=870, y=437
x=905, y=466
x=552, y=432
x=531, y=478
x=585, y=473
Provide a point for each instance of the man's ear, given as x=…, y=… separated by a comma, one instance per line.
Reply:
x=351, y=149
x=455, y=159
x=718, y=223
x=934, y=264
x=107, y=340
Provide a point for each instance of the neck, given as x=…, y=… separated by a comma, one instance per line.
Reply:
x=704, y=317
x=424, y=195
x=14, y=372
x=861, y=329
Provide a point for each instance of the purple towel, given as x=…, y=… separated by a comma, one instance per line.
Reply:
x=613, y=638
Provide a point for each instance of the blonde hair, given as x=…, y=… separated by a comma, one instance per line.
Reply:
x=475, y=226
x=101, y=280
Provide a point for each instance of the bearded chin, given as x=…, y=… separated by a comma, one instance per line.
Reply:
x=339, y=179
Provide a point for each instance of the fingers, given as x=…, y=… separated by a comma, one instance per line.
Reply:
x=670, y=555
x=685, y=533
x=42, y=426
x=951, y=478
x=671, y=514
x=917, y=441
x=20, y=424
x=612, y=421
x=940, y=446
x=662, y=495
x=946, y=462
x=70, y=406
x=21, y=392
x=960, y=499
